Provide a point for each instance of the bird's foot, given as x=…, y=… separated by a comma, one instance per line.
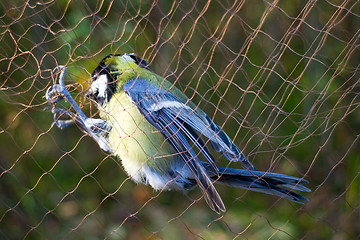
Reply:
x=96, y=128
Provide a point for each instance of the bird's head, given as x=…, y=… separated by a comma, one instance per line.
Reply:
x=105, y=77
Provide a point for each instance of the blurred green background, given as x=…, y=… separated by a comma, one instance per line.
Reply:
x=281, y=78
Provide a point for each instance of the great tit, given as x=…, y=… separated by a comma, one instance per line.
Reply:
x=159, y=135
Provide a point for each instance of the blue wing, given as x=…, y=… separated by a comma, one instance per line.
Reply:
x=180, y=123
x=175, y=130
x=155, y=103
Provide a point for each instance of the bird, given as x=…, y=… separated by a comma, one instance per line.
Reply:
x=160, y=136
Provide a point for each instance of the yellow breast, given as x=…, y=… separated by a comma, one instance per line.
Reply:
x=134, y=139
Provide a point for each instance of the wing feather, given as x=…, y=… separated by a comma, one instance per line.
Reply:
x=145, y=97
x=154, y=99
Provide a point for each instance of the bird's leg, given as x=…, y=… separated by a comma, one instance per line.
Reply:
x=96, y=128
x=58, y=92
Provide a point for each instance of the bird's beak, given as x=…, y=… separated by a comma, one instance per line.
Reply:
x=90, y=93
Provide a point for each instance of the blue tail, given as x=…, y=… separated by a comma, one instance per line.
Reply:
x=266, y=182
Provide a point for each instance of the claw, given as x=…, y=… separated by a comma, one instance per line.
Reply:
x=62, y=74
x=96, y=128
x=58, y=92
x=53, y=95
x=60, y=123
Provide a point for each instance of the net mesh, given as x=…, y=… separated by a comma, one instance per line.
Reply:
x=281, y=78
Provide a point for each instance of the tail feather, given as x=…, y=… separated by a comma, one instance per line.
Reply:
x=270, y=183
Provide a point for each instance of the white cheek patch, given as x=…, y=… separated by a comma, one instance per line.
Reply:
x=100, y=85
